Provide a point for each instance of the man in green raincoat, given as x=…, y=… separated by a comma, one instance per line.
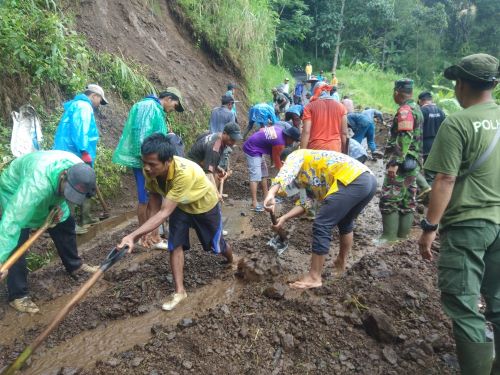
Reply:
x=30, y=187
x=145, y=118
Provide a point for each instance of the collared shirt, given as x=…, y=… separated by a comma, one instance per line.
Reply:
x=318, y=172
x=187, y=185
x=219, y=118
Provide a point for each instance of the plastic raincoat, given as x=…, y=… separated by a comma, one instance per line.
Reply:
x=261, y=114
x=77, y=130
x=145, y=118
x=28, y=191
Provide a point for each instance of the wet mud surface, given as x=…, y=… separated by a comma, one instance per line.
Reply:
x=381, y=317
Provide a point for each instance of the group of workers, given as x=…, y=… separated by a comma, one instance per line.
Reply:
x=310, y=148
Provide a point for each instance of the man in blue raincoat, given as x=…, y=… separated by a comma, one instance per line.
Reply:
x=261, y=114
x=77, y=133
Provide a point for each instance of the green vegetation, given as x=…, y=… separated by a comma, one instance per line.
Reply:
x=39, y=46
x=37, y=260
x=243, y=33
x=416, y=38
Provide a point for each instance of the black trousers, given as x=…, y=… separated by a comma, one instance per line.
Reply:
x=64, y=237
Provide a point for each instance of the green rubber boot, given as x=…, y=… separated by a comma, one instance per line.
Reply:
x=405, y=223
x=495, y=370
x=390, y=224
x=475, y=358
x=86, y=217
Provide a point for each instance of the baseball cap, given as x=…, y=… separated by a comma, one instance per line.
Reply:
x=176, y=92
x=293, y=133
x=403, y=83
x=425, y=95
x=233, y=130
x=226, y=99
x=231, y=86
x=96, y=89
x=479, y=67
x=80, y=183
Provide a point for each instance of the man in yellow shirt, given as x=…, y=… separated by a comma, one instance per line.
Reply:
x=308, y=70
x=334, y=81
x=179, y=190
x=342, y=184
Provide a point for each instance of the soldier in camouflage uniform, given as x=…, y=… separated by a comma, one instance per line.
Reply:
x=403, y=153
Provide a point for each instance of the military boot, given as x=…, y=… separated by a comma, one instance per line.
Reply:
x=405, y=223
x=475, y=357
x=390, y=224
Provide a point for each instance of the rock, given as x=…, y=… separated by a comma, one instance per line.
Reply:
x=171, y=336
x=390, y=355
x=142, y=309
x=437, y=342
x=378, y=325
x=225, y=309
x=112, y=362
x=133, y=267
x=275, y=291
x=187, y=365
x=186, y=322
x=69, y=371
x=156, y=328
x=287, y=341
x=328, y=318
x=243, y=332
x=450, y=360
x=136, y=361
x=426, y=347
x=153, y=372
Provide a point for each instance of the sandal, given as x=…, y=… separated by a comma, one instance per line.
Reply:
x=257, y=208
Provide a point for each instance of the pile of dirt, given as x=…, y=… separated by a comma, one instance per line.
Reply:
x=148, y=33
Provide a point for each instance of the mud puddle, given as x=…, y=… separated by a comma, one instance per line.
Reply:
x=84, y=350
x=237, y=220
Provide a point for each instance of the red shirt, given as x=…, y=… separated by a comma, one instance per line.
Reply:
x=326, y=124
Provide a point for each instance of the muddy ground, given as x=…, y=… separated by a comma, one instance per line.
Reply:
x=382, y=317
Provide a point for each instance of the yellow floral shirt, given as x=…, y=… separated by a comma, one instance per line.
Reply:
x=187, y=185
x=317, y=172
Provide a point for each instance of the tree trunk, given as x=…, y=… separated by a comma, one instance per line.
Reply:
x=338, y=41
x=317, y=35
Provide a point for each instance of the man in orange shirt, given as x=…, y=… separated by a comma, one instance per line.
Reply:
x=324, y=124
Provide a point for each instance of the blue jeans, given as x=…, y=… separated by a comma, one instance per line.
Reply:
x=369, y=133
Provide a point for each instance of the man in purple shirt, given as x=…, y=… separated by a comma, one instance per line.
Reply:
x=270, y=140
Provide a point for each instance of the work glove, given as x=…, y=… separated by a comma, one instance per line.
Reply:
x=86, y=158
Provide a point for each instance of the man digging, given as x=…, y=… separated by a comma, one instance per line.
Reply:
x=179, y=190
x=343, y=185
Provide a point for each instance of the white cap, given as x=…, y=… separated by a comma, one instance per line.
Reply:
x=97, y=90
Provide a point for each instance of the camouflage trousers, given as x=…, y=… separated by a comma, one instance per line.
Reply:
x=399, y=193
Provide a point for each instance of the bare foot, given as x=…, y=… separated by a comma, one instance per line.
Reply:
x=339, y=266
x=307, y=282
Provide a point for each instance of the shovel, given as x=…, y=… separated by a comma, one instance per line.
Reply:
x=25, y=246
x=279, y=242
x=105, y=213
x=114, y=256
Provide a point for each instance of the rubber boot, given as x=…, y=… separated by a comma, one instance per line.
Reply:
x=390, y=224
x=495, y=370
x=475, y=358
x=405, y=223
x=86, y=217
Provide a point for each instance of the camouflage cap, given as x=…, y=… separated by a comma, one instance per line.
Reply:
x=403, y=84
x=479, y=67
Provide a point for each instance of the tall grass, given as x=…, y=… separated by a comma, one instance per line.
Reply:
x=369, y=86
x=240, y=30
x=271, y=76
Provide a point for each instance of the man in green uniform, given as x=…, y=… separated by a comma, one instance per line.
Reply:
x=146, y=117
x=465, y=201
x=397, y=203
x=29, y=188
